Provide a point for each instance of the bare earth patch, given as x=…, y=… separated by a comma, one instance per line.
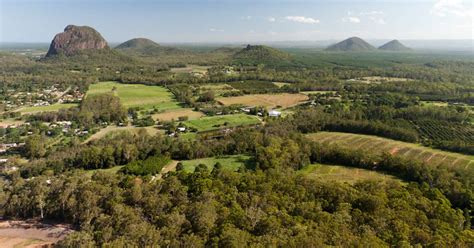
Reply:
x=284, y=100
x=31, y=234
x=174, y=115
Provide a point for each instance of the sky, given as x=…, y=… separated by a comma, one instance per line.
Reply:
x=239, y=20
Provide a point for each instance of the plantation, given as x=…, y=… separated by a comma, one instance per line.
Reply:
x=209, y=123
x=343, y=174
x=382, y=145
x=231, y=163
x=445, y=131
x=137, y=95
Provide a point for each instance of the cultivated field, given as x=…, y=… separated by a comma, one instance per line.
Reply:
x=137, y=95
x=403, y=149
x=283, y=100
x=50, y=108
x=343, y=173
x=221, y=121
x=232, y=163
x=218, y=88
x=175, y=114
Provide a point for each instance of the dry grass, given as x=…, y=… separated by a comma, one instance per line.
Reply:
x=344, y=174
x=175, y=114
x=284, y=100
x=110, y=129
x=26, y=234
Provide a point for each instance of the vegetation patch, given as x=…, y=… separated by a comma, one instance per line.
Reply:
x=232, y=163
x=209, y=123
x=149, y=166
x=137, y=95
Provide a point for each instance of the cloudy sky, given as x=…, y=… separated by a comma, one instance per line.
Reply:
x=239, y=20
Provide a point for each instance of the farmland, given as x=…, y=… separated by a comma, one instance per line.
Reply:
x=403, y=149
x=209, y=123
x=232, y=163
x=175, y=114
x=343, y=173
x=439, y=130
x=137, y=95
x=283, y=100
x=52, y=107
x=251, y=86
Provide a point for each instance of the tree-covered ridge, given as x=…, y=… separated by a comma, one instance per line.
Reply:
x=258, y=54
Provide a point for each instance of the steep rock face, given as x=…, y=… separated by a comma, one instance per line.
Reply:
x=76, y=38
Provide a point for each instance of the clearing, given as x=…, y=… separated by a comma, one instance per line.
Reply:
x=283, y=100
x=378, y=80
x=343, y=173
x=191, y=69
x=209, y=123
x=31, y=234
x=175, y=114
x=231, y=162
x=49, y=108
x=407, y=150
x=110, y=129
x=137, y=95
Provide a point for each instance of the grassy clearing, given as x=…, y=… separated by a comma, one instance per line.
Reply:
x=280, y=84
x=112, y=170
x=175, y=114
x=137, y=95
x=50, y=108
x=222, y=121
x=111, y=129
x=283, y=100
x=343, y=173
x=190, y=69
x=217, y=88
x=407, y=150
x=378, y=80
x=317, y=92
x=232, y=163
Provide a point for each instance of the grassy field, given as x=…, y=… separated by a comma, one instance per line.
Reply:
x=222, y=121
x=343, y=173
x=50, y=108
x=111, y=129
x=175, y=114
x=217, y=88
x=283, y=100
x=378, y=80
x=137, y=95
x=407, y=150
x=232, y=163
x=280, y=84
x=190, y=69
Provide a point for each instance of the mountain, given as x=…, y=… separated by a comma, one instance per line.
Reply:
x=147, y=47
x=75, y=39
x=353, y=44
x=394, y=45
x=260, y=55
x=137, y=43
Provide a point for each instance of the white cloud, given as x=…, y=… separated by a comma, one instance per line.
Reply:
x=351, y=19
x=302, y=19
x=246, y=18
x=271, y=19
x=444, y=8
x=216, y=30
x=374, y=16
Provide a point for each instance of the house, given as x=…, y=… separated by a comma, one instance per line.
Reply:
x=181, y=129
x=3, y=160
x=274, y=113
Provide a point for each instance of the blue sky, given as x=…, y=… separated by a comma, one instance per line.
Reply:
x=238, y=20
